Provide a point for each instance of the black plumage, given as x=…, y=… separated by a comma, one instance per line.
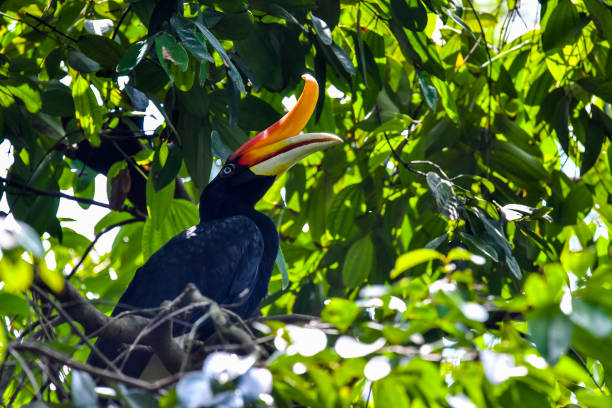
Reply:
x=230, y=254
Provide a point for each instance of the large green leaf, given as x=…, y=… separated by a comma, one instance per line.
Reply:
x=88, y=112
x=561, y=26
x=259, y=54
x=358, y=262
x=103, y=50
x=410, y=13
x=233, y=72
x=552, y=335
x=132, y=57
x=178, y=216
x=169, y=50
x=196, y=139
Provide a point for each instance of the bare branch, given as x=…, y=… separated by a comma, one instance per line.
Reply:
x=59, y=194
x=42, y=350
x=125, y=329
x=96, y=238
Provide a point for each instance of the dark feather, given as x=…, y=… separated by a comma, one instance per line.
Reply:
x=221, y=257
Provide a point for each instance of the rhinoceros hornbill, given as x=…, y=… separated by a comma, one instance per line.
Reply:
x=232, y=250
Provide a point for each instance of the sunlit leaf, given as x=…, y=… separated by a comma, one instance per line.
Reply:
x=414, y=258
x=87, y=110
x=358, y=263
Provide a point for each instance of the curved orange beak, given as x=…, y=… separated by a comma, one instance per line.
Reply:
x=280, y=146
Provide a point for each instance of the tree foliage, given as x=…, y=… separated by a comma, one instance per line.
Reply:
x=454, y=251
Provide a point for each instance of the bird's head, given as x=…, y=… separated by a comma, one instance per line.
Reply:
x=250, y=171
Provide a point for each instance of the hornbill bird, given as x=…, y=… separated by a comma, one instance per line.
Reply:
x=230, y=254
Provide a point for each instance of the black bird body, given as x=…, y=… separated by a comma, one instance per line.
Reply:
x=229, y=267
x=230, y=254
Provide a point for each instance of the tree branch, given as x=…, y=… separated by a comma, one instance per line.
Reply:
x=125, y=13
x=96, y=238
x=59, y=194
x=43, y=22
x=42, y=350
x=124, y=329
x=400, y=160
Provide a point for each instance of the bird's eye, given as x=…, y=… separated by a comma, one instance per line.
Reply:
x=228, y=169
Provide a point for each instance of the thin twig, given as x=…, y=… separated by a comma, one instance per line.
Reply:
x=74, y=327
x=26, y=368
x=432, y=164
x=400, y=160
x=59, y=194
x=116, y=30
x=96, y=238
x=41, y=350
x=55, y=30
x=583, y=364
x=489, y=81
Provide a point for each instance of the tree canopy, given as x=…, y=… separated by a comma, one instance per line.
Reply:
x=454, y=251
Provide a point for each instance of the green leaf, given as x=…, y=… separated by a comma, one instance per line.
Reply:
x=87, y=110
x=169, y=50
x=358, y=262
x=552, y=335
x=447, y=99
x=555, y=110
x=58, y=102
x=30, y=97
x=429, y=91
x=102, y=50
x=53, y=61
x=578, y=201
x=345, y=206
x=459, y=21
x=234, y=75
x=22, y=235
x=414, y=258
x=561, y=26
x=17, y=274
x=389, y=392
x=219, y=148
x=443, y=192
x=132, y=57
x=578, y=262
x=410, y=13
x=234, y=25
x=595, y=135
x=322, y=30
x=52, y=278
x=113, y=217
x=195, y=43
x=195, y=135
x=13, y=305
x=256, y=114
x=83, y=390
x=344, y=58
x=481, y=246
x=497, y=236
x=158, y=202
x=531, y=165
x=437, y=241
x=164, y=173
x=602, y=15
x=179, y=215
x=282, y=267
x=259, y=54
x=340, y=313
x=591, y=318
x=81, y=62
